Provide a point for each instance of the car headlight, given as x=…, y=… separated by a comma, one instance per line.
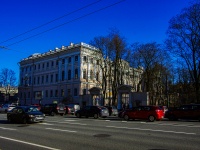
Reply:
x=31, y=116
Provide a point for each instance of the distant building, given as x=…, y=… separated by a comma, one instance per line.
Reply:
x=64, y=74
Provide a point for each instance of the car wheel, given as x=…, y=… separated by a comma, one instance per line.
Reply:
x=78, y=115
x=126, y=117
x=96, y=116
x=24, y=121
x=151, y=118
x=9, y=119
x=52, y=113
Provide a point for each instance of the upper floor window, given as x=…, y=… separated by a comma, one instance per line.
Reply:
x=52, y=63
x=85, y=58
x=63, y=61
x=76, y=58
x=47, y=64
x=91, y=75
x=63, y=75
x=76, y=73
x=84, y=91
x=69, y=60
x=56, y=77
x=75, y=92
x=51, y=78
x=91, y=60
x=69, y=74
x=38, y=66
x=47, y=78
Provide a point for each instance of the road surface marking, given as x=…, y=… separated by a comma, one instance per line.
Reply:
x=60, y=130
x=28, y=143
x=7, y=128
x=82, y=124
x=150, y=130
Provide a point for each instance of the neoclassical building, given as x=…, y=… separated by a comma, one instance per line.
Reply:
x=67, y=73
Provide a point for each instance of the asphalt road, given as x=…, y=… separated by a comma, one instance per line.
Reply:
x=70, y=133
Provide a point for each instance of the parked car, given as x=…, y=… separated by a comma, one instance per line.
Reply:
x=165, y=109
x=190, y=111
x=25, y=114
x=11, y=107
x=72, y=108
x=52, y=109
x=4, y=108
x=92, y=111
x=150, y=113
x=112, y=110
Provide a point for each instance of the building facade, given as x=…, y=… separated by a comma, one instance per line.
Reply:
x=64, y=74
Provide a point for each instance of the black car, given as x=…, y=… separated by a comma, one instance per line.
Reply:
x=92, y=111
x=25, y=114
x=52, y=109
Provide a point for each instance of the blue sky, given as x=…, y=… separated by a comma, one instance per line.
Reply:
x=137, y=20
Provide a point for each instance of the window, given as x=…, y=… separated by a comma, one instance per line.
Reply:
x=69, y=60
x=52, y=63
x=34, y=80
x=97, y=62
x=97, y=76
x=84, y=74
x=46, y=93
x=75, y=92
x=84, y=91
x=84, y=58
x=68, y=92
x=69, y=74
x=35, y=67
x=51, y=78
x=56, y=62
x=63, y=61
x=76, y=58
x=62, y=93
x=47, y=64
x=91, y=60
x=76, y=73
x=38, y=66
x=63, y=75
x=29, y=81
x=43, y=65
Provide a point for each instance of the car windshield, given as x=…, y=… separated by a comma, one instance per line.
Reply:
x=31, y=109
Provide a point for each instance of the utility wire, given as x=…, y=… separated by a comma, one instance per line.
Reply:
x=50, y=21
x=66, y=23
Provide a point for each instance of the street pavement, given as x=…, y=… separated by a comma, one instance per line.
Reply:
x=71, y=133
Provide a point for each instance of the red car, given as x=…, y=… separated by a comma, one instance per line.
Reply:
x=150, y=113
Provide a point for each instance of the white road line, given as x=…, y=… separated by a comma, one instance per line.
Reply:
x=7, y=128
x=74, y=123
x=60, y=130
x=150, y=130
x=48, y=124
x=28, y=143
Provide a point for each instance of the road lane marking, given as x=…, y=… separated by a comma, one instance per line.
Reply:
x=7, y=128
x=48, y=124
x=82, y=124
x=60, y=130
x=28, y=143
x=151, y=130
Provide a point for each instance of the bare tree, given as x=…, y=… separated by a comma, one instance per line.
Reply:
x=8, y=80
x=184, y=42
x=150, y=56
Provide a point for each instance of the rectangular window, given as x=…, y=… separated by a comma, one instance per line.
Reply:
x=51, y=93
x=63, y=61
x=47, y=64
x=46, y=93
x=62, y=93
x=38, y=80
x=84, y=74
x=56, y=93
x=76, y=58
x=52, y=63
x=69, y=92
x=84, y=91
x=75, y=92
x=47, y=78
x=69, y=60
x=56, y=77
x=51, y=78
x=42, y=79
x=84, y=58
